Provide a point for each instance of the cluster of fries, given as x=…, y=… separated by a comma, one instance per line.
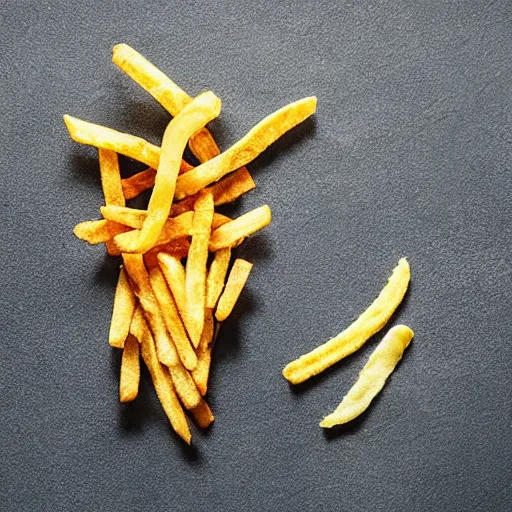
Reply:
x=383, y=360
x=164, y=310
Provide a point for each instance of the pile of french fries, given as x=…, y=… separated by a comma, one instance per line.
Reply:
x=165, y=310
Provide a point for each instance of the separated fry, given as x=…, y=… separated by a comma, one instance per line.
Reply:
x=234, y=286
x=354, y=337
x=122, y=311
x=373, y=376
x=130, y=370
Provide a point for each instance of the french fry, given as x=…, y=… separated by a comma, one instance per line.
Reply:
x=139, y=278
x=185, y=387
x=372, y=378
x=138, y=183
x=232, y=233
x=201, y=372
x=172, y=319
x=122, y=311
x=203, y=415
x=196, y=114
x=178, y=248
x=98, y=231
x=356, y=335
x=195, y=272
x=234, y=286
x=217, y=276
x=174, y=274
x=161, y=378
x=130, y=370
x=247, y=148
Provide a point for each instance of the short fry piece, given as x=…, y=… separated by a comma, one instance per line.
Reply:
x=373, y=376
x=130, y=370
x=203, y=414
x=161, y=377
x=247, y=148
x=354, y=337
x=122, y=311
x=172, y=319
x=185, y=387
x=234, y=286
x=231, y=233
x=195, y=115
x=195, y=273
x=138, y=274
x=201, y=372
x=98, y=231
x=217, y=276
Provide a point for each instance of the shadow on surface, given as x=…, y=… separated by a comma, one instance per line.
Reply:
x=83, y=167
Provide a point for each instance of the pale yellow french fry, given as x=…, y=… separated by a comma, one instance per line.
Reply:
x=356, y=335
x=232, y=233
x=161, y=378
x=139, y=278
x=98, y=231
x=247, y=148
x=203, y=414
x=122, y=311
x=172, y=319
x=195, y=115
x=372, y=378
x=217, y=276
x=201, y=372
x=195, y=272
x=234, y=286
x=130, y=370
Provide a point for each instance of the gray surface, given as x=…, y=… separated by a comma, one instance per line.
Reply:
x=409, y=154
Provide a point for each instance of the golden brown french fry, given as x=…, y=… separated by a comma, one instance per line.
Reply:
x=174, y=274
x=204, y=354
x=98, y=231
x=203, y=414
x=217, y=276
x=185, y=387
x=172, y=319
x=138, y=183
x=234, y=286
x=196, y=114
x=130, y=370
x=178, y=248
x=232, y=233
x=356, y=335
x=161, y=378
x=139, y=278
x=247, y=148
x=373, y=376
x=122, y=311
x=195, y=272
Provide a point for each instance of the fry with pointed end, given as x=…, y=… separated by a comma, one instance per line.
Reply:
x=161, y=378
x=172, y=319
x=247, y=148
x=234, y=286
x=356, y=335
x=139, y=278
x=195, y=115
x=122, y=311
x=232, y=233
x=201, y=372
x=195, y=272
x=203, y=414
x=99, y=231
x=373, y=376
x=217, y=276
x=130, y=370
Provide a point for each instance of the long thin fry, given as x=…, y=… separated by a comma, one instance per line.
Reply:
x=161, y=378
x=354, y=337
x=203, y=414
x=247, y=148
x=195, y=273
x=373, y=376
x=231, y=233
x=185, y=387
x=217, y=276
x=204, y=354
x=174, y=274
x=234, y=286
x=98, y=231
x=122, y=311
x=139, y=278
x=196, y=114
x=172, y=319
x=130, y=370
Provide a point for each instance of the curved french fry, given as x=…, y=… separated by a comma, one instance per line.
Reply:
x=247, y=148
x=234, y=286
x=354, y=337
x=130, y=370
x=195, y=115
x=373, y=376
x=122, y=311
